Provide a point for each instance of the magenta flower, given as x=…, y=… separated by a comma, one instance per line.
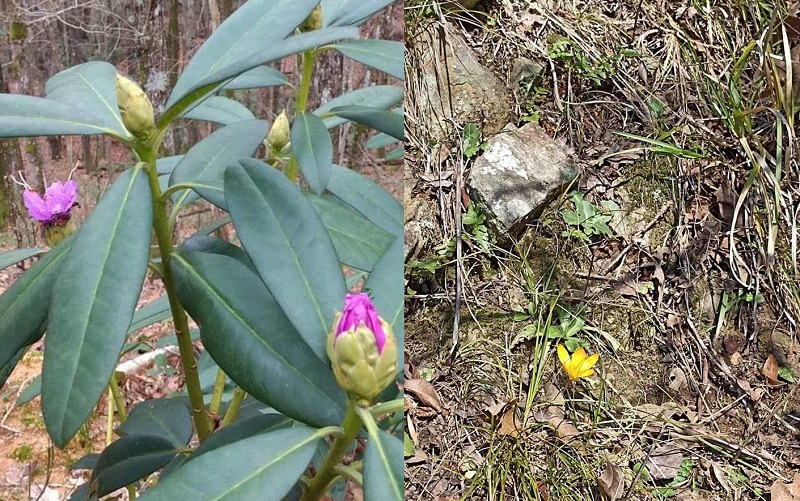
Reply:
x=55, y=207
x=358, y=309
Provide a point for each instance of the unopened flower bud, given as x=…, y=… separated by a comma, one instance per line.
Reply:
x=362, y=349
x=313, y=21
x=278, y=137
x=135, y=108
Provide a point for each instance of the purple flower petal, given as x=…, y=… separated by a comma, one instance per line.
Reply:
x=61, y=197
x=37, y=207
x=358, y=309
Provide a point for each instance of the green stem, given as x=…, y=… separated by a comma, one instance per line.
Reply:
x=233, y=408
x=216, y=397
x=164, y=238
x=301, y=104
x=384, y=408
x=351, y=473
x=327, y=472
x=118, y=402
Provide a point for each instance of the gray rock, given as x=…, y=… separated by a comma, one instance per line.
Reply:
x=455, y=87
x=519, y=173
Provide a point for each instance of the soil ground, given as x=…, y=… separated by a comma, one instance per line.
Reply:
x=668, y=108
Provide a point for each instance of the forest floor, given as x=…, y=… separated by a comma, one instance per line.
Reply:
x=674, y=256
x=30, y=464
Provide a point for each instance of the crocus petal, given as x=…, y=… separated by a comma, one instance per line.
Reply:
x=585, y=368
x=579, y=356
x=37, y=207
x=563, y=356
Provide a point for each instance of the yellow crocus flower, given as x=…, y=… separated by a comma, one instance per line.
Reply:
x=578, y=365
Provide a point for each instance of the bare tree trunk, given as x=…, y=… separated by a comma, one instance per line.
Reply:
x=214, y=12
x=174, y=59
x=10, y=162
x=86, y=153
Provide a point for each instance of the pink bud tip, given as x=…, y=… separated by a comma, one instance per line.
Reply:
x=358, y=309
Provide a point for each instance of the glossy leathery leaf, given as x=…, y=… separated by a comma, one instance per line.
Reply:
x=24, y=305
x=166, y=417
x=258, y=77
x=350, y=12
x=375, y=203
x=12, y=257
x=376, y=96
x=383, y=468
x=151, y=313
x=289, y=246
x=359, y=242
x=381, y=120
x=251, y=339
x=262, y=467
x=211, y=245
x=91, y=88
x=220, y=110
x=94, y=298
x=383, y=55
x=386, y=285
x=22, y=116
x=313, y=149
x=127, y=460
x=204, y=164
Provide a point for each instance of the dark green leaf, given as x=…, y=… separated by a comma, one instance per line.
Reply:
x=22, y=116
x=95, y=295
x=258, y=77
x=33, y=390
x=24, y=305
x=220, y=110
x=15, y=256
x=350, y=12
x=381, y=120
x=381, y=140
x=289, y=245
x=263, y=467
x=153, y=312
x=383, y=468
x=256, y=26
x=386, y=285
x=166, y=417
x=375, y=203
x=9, y=367
x=204, y=243
x=87, y=462
x=204, y=164
x=252, y=340
x=312, y=147
x=91, y=88
x=80, y=493
x=359, y=242
x=127, y=460
x=167, y=164
x=240, y=430
x=376, y=96
x=383, y=55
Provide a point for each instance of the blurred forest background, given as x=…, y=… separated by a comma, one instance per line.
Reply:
x=150, y=41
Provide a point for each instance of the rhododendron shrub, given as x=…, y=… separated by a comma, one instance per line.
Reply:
x=307, y=364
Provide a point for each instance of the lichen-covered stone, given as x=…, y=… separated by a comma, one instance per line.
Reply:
x=455, y=87
x=519, y=173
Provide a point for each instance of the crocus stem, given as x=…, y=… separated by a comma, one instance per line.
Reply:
x=233, y=408
x=327, y=472
x=164, y=238
x=216, y=397
x=301, y=104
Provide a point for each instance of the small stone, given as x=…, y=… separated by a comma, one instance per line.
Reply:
x=519, y=173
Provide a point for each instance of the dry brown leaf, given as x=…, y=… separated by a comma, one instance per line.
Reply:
x=664, y=462
x=786, y=492
x=612, y=482
x=509, y=426
x=721, y=478
x=424, y=392
x=563, y=428
x=770, y=370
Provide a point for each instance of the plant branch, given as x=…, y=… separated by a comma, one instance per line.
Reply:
x=165, y=247
x=233, y=408
x=301, y=104
x=216, y=397
x=327, y=472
